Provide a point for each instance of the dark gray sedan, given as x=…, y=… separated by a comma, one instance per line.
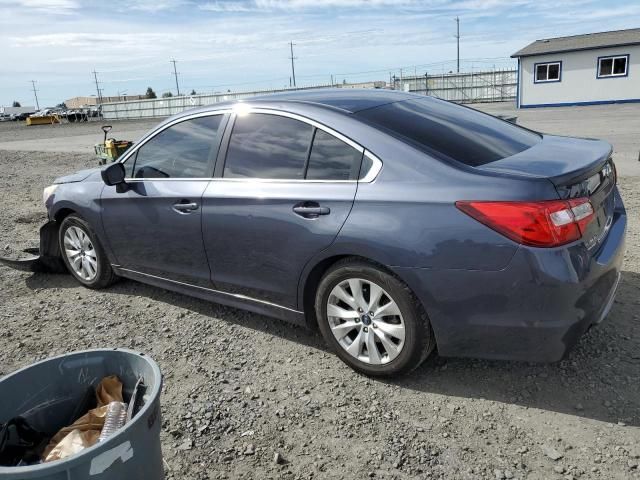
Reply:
x=396, y=223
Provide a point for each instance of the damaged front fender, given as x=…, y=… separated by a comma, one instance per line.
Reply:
x=46, y=258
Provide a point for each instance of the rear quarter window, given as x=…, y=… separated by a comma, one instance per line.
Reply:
x=449, y=131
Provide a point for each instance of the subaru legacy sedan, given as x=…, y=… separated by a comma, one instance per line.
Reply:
x=396, y=223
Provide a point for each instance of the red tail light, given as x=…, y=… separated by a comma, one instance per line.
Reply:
x=539, y=224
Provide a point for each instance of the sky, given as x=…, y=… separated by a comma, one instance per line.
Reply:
x=222, y=45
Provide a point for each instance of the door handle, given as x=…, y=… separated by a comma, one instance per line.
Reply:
x=185, y=207
x=310, y=210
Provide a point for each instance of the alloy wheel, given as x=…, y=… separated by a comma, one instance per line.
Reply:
x=366, y=321
x=81, y=253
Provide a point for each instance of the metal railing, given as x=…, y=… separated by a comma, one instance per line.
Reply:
x=164, y=107
x=489, y=86
x=473, y=87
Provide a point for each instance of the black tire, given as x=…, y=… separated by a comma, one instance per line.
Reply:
x=418, y=341
x=104, y=275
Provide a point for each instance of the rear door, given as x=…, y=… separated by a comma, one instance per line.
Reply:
x=280, y=196
x=155, y=226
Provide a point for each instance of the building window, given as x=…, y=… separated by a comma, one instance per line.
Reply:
x=615, y=66
x=548, y=72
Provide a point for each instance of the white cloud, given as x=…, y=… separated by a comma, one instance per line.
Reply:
x=301, y=5
x=152, y=6
x=50, y=6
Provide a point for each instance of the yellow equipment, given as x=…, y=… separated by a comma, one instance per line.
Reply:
x=110, y=149
x=43, y=120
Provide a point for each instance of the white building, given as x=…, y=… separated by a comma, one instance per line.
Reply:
x=580, y=70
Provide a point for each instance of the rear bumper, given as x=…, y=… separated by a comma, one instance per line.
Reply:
x=535, y=309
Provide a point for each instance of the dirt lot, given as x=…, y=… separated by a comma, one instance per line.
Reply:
x=240, y=387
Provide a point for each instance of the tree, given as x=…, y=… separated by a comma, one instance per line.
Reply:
x=62, y=106
x=16, y=103
x=167, y=95
x=150, y=93
x=193, y=92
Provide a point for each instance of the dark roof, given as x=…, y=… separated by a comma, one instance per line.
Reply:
x=588, y=41
x=347, y=99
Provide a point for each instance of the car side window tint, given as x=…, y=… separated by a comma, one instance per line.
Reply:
x=332, y=159
x=267, y=146
x=183, y=150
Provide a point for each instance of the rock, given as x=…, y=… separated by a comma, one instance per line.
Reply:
x=186, y=445
x=579, y=407
x=558, y=469
x=250, y=450
x=551, y=452
x=508, y=474
x=499, y=474
x=278, y=459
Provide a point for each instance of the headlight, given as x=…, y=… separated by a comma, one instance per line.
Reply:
x=47, y=193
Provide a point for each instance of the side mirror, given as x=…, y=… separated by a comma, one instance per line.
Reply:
x=113, y=174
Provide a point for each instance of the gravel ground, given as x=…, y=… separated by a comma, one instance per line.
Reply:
x=246, y=396
x=17, y=131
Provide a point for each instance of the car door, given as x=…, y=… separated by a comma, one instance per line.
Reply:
x=281, y=195
x=155, y=226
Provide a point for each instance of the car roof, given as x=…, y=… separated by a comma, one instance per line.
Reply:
x=342, y=100
x=350, y=100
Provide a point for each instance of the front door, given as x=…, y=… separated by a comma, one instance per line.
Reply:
x=282, y=195
x=155, y=226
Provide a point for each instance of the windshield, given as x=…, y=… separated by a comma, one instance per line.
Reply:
x=450, y=131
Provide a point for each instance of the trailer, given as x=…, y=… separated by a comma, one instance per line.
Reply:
x=17, y=110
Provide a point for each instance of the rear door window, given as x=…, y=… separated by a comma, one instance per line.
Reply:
x=268, y=147
x=449, y=131
x=184, y=150
x=332, y=159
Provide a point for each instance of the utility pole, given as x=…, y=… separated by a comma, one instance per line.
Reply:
x=95, y=77
x=293, y=68
x=458, y=40
x=33, y=85
x=175, y=73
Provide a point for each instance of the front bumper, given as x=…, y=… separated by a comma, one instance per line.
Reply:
x=536, y=309
x=46, y=258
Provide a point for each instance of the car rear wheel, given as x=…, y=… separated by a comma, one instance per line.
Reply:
x=372, y=320
x=83, y=255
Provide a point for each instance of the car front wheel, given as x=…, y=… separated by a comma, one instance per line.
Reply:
x=372, y=320
x=82, y=253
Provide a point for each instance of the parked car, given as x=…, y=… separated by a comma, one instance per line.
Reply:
x=396, y=223
x=18, y=117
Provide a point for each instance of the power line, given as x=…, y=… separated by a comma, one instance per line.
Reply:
x=33, y=85
x=175, y=73
x=458, y=41
x=293, y=69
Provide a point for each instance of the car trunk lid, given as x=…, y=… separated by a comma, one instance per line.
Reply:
x=578, y=168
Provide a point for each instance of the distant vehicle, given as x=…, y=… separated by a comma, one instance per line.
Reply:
x=5, y=118
x=19, y=116
x=43, y=113
x=397, y=223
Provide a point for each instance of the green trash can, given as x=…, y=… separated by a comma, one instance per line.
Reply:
x=47, y=393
